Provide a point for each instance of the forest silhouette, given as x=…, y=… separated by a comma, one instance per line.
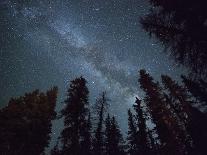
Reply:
x=177, y=110
x=179, y=126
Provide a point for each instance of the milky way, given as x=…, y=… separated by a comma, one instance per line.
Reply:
x=46, y=43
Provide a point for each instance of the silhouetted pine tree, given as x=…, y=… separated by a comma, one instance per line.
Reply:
x=179, y=96
x=76, y=131
x=87, y=144
x=161, y=115
x=142, y=133
x=114, y=140
x=25, y=124
x=98, y=141
x=181, y=26
x=107, y=133
x=180, y=102
x=132, y=135
x=196, y=127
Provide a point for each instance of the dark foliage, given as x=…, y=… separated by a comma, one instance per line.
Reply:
x=181, y=26
x=25, y=124
x=114, y=140
x=142, y=128
x=98, y=141
x=198, y=88
x=140, y=138
x=76, y=133
x=198, y=131
x=180, y=103
x=132, y=135
x=166, y=124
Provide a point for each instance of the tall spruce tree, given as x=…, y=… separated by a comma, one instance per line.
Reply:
x=196, y=127
x=161, y=115
x=108, y=146
x=140, y=139
x=25, y=124
x=132, y=135
x=142, y=133
x=87, y=143
x=114, y=139
x=180, y=103
x=76, y=131
x=98, y=141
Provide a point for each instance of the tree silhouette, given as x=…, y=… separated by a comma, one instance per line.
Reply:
x=180, y=97
x=180, y=128
x=162, y=116
x=76, y=119
x=181, y=26
x=108, y=135
x=140, y=138
x=142, y=134
x=25, y=124
x=132, y=135
x=87, y=144
x=114, y=140
x=98, y=141
x=180, y=103
x=196, y=127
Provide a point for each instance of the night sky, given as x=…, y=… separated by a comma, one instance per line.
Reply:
x=47, y=43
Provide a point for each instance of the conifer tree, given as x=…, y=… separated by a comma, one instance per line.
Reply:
x=25, y=124
x=196, y=127
x=180, y=102
x=161, y=115
x=107, y=133
x=76, y=131
x=87, y=144
x=142, y=134
x=132, y=135
x=140, y=140
x=179, y=97
x=114, y=140
x=98, y=141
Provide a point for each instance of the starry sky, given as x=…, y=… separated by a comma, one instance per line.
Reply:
x=45, y=43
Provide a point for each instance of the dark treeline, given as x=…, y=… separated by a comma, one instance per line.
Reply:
x=165, y=122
